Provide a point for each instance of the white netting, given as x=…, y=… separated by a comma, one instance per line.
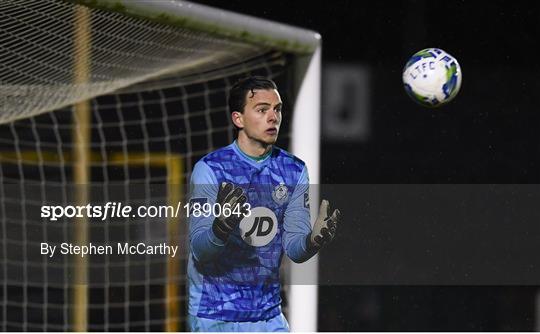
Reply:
x=131, y=133
x=170, y=112
x=55, y=53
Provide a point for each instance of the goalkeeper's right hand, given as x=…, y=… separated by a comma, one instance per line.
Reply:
x=231, y=200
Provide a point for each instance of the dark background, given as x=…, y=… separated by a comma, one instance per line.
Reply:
x=488, y=134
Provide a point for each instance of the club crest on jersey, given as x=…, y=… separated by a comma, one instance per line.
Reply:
x=259, y=228
x=280, y=193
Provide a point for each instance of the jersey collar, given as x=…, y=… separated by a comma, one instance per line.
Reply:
x=255, y=161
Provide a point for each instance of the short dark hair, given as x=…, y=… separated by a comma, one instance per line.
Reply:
x=238, y=92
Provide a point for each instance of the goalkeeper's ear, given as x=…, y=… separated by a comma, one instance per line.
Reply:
x=237, y=119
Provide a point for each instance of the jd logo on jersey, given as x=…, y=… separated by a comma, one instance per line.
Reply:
x=263, y=225
x=259, y=228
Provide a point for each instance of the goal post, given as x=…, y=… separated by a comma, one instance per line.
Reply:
x=81, y=153
x=155, y=87
x=305, y=144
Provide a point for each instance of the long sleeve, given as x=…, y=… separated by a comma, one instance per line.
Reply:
x=297, y=222
x=205, y=246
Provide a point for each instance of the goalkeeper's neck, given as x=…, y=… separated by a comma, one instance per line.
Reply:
x=253, y=147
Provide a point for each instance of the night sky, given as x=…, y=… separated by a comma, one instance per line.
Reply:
x=486, y=135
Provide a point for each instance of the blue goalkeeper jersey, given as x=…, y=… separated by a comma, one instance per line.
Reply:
x=239, y=280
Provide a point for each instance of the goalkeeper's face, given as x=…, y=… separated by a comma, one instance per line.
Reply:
x=261, y=118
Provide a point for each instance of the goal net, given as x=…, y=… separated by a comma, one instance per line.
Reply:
x=106, y=103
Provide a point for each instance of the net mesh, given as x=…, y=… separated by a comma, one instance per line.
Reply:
x=43, y=43
x=131, y=133
x=155, y=126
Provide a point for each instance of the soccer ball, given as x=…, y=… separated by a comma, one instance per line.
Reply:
x=432, y=77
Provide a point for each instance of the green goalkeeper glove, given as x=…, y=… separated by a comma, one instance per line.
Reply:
x=230, y=199
x=325, y=226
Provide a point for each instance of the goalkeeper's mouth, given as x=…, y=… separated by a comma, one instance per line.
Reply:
x=271, y=131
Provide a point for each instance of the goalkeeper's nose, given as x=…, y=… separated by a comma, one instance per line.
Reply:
x=273, y=117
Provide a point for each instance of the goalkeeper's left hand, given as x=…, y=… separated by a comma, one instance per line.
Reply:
x=325, y=226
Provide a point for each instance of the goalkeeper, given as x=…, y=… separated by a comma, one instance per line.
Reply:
x=261, y=193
